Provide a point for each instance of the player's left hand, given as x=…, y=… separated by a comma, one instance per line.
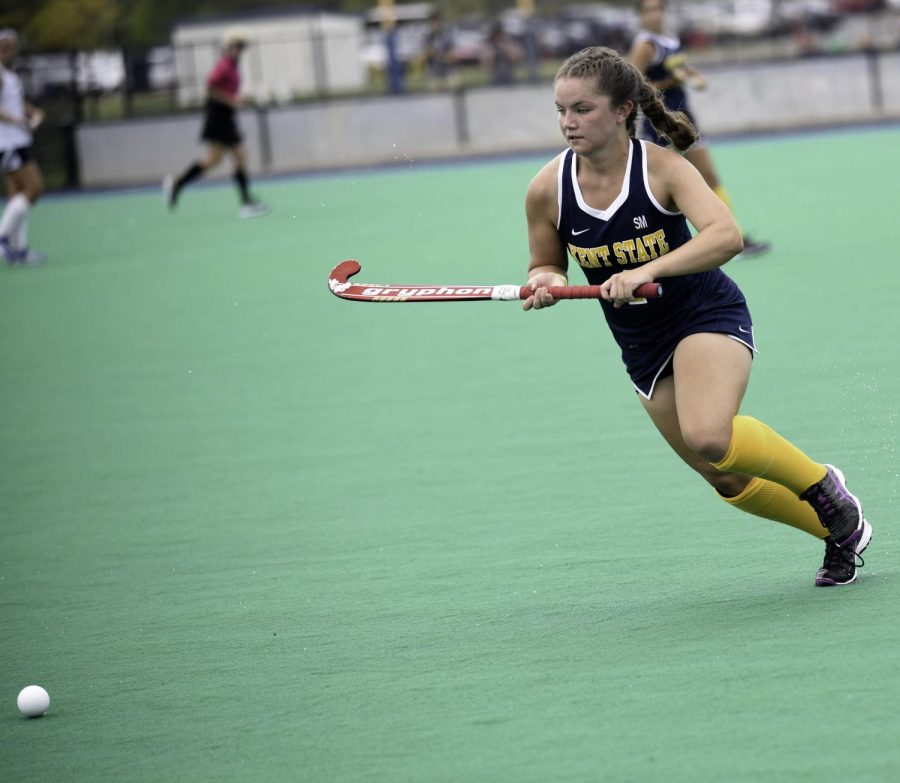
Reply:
x=35, y=119
x=620, y=287
x=696, y=81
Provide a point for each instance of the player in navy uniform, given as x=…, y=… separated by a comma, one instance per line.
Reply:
x=658, y=55
x=620, y=208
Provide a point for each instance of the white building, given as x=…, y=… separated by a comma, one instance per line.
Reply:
x=290, y=55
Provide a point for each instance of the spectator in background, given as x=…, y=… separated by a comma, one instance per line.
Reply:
x=24, y=183
x=658, y=55
x=438, y=52
x=501, y=55
x=220, y=130
x=806, y=41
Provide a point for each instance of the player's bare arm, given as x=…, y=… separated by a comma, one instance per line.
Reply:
x=547, y=264
x=641, y=55
x=718, y=237
x=677, y=185
x=34, y=116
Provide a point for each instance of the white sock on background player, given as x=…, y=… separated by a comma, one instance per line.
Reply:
x=16, y=208
x=19, y=239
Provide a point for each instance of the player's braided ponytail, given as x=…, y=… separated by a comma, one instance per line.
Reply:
x=621, y=81
x=674, y=124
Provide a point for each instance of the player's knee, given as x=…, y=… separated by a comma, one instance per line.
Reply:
x=728, y=484
x=709, y=442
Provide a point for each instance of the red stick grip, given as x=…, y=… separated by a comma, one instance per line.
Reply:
x=645, y=291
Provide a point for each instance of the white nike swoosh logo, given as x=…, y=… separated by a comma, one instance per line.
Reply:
x=742, y=329
x=576, y=233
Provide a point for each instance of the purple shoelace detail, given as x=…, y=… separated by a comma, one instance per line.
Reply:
x=825, y=501
x=840, y=488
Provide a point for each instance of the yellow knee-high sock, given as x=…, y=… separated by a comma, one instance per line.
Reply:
x=757, y=450
x=772, y=501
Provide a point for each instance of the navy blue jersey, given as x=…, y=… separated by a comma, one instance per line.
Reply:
x=667, y=59
x=633, y=230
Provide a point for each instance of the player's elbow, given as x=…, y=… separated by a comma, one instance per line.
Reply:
x=732, y=241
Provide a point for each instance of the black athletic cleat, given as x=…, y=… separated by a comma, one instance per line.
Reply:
x=840, y=512
x=842, y=560
x=753, y=248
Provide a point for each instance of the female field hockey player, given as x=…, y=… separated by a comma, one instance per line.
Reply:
x=220, y=130
x=658, y=55
x=620, y=207
x=24, y=183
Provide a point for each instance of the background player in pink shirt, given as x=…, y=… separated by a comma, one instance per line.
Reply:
x=220, y=131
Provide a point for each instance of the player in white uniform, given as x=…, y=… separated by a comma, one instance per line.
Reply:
x=24, y=183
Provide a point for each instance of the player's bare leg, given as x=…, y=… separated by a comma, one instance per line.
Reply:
x=664, y=415
x=214, y=154
x=710, y=377
x=28, y=180
x=694, y=410
x=711, y=373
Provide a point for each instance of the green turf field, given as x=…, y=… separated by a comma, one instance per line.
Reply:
x=252, y=532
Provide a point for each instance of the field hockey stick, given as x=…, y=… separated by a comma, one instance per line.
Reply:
x=380, y=292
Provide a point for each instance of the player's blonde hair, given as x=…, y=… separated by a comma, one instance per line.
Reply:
x=235, y=35
x=614, y=76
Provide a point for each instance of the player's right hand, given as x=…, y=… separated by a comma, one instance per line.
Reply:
x=542, y=297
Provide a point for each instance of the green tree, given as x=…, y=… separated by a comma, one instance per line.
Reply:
x=147, y=22
x=74, y=24
x=16, y=14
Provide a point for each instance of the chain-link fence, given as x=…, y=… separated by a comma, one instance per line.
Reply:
x=301, y=57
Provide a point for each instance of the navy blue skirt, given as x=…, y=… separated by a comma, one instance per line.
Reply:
x=648, y=363
x=220, y=125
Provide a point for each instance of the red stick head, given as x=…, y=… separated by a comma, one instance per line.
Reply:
x=344, y=270
x=337, y=280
